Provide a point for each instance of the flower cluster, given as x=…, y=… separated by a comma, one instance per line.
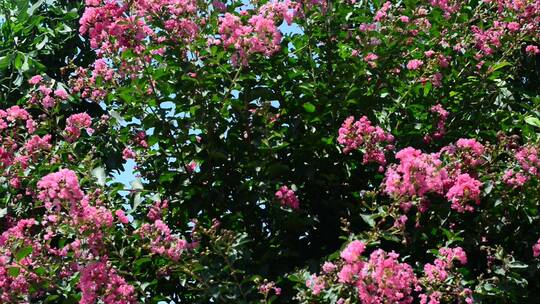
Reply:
x=13, y=114
x=287, y=197
x=260, y=35
x=75, y=123
x=59, y=187
x=379, y=279
x=419, y=174
x=442, y=115
x=15, y=279
x=527, y=166
x=438, y=276
x=536, y=249
x=373, y=141
x=101, y=282
x=267, y=287
x=162, y=241
x=44, y=95
x=464, y=189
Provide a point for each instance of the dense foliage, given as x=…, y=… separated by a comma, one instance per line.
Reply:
x=285, y=151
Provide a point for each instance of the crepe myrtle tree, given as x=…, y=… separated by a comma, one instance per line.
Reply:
x=283, y=151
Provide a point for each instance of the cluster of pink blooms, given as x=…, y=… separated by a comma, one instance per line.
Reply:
x=442, y=115
x=19, y=283
x=414, y=64
x=379, y=279
x=470, y=151
x=373, y=141
x=13, y=114
x=418, y=174
x=438, y=272
x=178, y=17
x=162, y=241
x=37, y=143
x=527, y=166
x=525, y=15
x=287, y=197
x=44, y=94
x=75, y=123
x=382, y=13
x=446, y=6
x=536, y=249
x=260, y=34
x=99, y=281
x=127, y=153
x=464, y=189
x=316, y=284
x=108, y=27
x=15, y=122
x=59, y=187
x=267, y=287
x=87, y=85
x=140, y=139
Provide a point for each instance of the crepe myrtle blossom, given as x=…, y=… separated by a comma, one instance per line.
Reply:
x=373, y=141
x=75, y=123
x=287, y=197
x=536, y=249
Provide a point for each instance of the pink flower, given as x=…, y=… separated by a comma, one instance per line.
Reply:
x=128, y=154
x=61, y=93
x=416, y=174
x=451, y=254
x=404, y=19
x=371, y=57
x=513, y=26
x=287, y=197
x=121, y=216
x=442, y=115
x=414, y=64
x=536, y=249
x=192, y=166
x=429, y=53
x=100, y=281
x=58, y=187
x=260, y=35
x=316, y=284
x=352, y=252
x=465, y=189
x=471, y=151
x=361, y=135
x=328, y=267
x=532, y=49
x=35, y=79
x=514, y=179
x=383, y=12
x=75, y=123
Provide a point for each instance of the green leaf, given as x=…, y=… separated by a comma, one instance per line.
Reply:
x=533, y=121
x=309, y=107
x=23, y=252
x=500, y=65
x=368, y=219
x=34, y=7
x=14, y=271
x=5, y=61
